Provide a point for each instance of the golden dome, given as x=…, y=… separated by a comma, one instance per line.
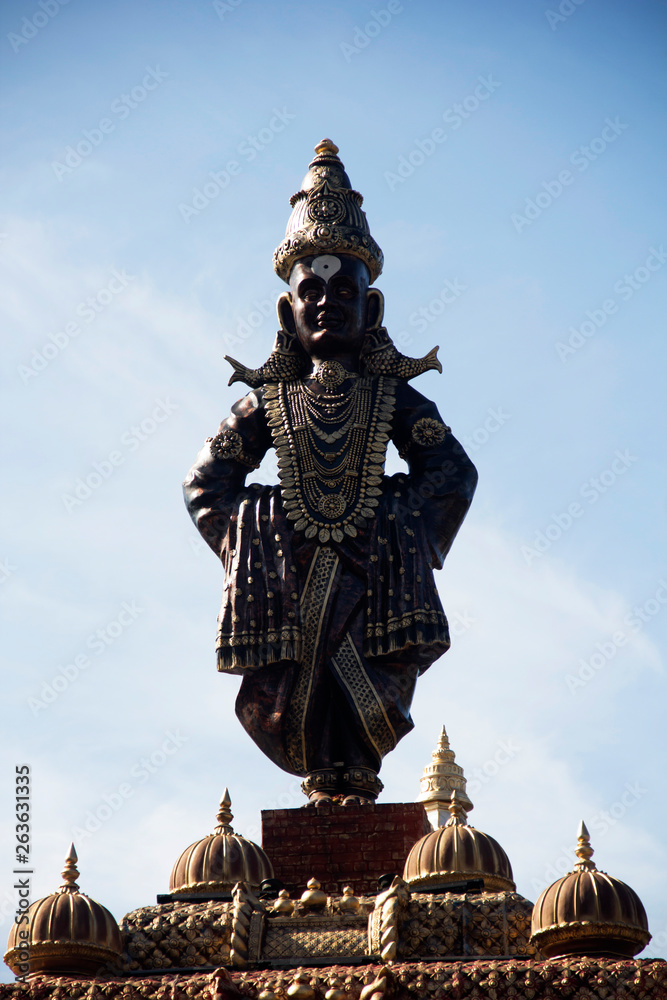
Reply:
x=456, y=852
x=217, y=862
x=66, y=932
x=587, y=912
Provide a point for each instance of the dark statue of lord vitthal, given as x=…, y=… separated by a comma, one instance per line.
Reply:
x=329, y=609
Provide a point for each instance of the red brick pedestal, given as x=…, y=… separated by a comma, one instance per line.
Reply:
x=341, y=845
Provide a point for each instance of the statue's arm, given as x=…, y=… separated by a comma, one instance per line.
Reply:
x=212, y=485
x=442, y=477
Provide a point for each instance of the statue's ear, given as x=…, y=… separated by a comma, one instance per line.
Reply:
x=375, y=300
x=285, y=314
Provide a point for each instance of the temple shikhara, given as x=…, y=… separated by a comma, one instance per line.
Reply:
x=329, y=615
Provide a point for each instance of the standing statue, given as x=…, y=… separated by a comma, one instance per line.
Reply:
x=329, y=609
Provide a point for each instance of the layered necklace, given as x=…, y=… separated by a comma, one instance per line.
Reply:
x=331, y=449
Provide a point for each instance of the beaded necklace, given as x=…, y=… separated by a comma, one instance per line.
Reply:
x=331, y=493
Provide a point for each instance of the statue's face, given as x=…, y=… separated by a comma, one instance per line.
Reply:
x=330, y=305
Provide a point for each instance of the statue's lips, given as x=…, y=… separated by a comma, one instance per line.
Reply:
x=329, y=321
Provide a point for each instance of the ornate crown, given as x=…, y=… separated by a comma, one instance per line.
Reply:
x=327, y=218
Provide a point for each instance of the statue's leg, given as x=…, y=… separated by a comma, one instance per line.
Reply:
x=377, y=698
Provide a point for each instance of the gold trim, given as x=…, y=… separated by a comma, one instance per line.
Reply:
x=350, y=669
x=314, y=602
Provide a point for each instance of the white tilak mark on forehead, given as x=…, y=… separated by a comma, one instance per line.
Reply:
x=325, y=267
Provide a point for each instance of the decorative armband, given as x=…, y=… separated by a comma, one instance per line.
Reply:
x=428, y=431
x=228, y=444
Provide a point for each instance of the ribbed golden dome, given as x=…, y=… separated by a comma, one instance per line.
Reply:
x=217, y=862
x=587, y=912
x=456, y=852
x=64, y=932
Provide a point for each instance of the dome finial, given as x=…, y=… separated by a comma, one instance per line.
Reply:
x=457, y=814
x=326, y=146
x=443, y=750
x=225, y=814
x=440, y=778
x=584, y=851
x=70, y=872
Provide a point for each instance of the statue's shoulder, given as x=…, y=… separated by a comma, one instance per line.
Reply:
x=408, y=398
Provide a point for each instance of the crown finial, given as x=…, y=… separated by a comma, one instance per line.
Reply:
x=443, y=750
x=225, y=814
x=70, y=872
x=326, y=146
x=457, y=813
x=583, y=850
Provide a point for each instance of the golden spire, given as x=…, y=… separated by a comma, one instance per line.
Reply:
x=326, y=146
x=70, y=872
x=441, y=778
x=225, y=814
x=457, y=814
x=584, y=851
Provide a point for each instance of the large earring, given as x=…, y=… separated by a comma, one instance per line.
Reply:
x=287, y=360
x=379, y=355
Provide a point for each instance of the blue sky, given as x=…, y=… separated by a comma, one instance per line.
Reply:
x=507, y=151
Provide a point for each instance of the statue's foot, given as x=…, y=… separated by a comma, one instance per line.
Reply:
x=319, y=799
x=357, y=800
